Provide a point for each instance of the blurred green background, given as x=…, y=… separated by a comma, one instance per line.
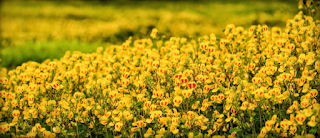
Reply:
x=38, y=30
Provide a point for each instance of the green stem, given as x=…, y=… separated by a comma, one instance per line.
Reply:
x=280, y=113
x=77, y=129
x=260, y=119
x=187, y=105
x=253, y=126
x=107, y=132
x=140, y=133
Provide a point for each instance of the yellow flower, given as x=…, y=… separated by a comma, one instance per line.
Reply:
x=192, y=85
x=153, y=33
x=56, y=85
x=34, y=130
x=4, y=127
x=195, y=105
x=46, y=134
x=52, y=102
x=16, y=113
x=264, y=131
x=146, y=105
x=310, y=58
x=277, y=128
x=274, y=118
x=316, y=107
x=148, y=133
x=49, y=121
x=285, y=124
x=290, y=109
x=187, y=93
x=31, y=135
x=184, y=81
x=312, y=121
x=140, y=97
x=309, y=136
x=14, y=103
x=118, y=126
x=204, y=106
x=70, y=115
x=111, y=124
x=124, y=83
x=38, y=126
x=190, y=135
x=293, y=129
x=308, y=112
x=244, y=105
x=3, y=80
x=127, y=115
x=91, y=124
x=177, y=101
x=256, y=80
x=159, y=93
x=113, y=94
x=56, y=129
x=150, y=119
x=286, y=76
x=317, y=66
x=269, y=124
x=164, y=102
x=313, y=93
x=34, y=113
x=300, y=118
x=305, y=103
x=139, y=124
x=103, y=120
x=203, y=45
x=301, y=58
x=173, y=129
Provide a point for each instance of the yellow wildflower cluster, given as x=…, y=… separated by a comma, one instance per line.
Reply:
x=260, y=82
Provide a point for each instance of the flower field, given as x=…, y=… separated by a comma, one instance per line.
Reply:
x=256, y=82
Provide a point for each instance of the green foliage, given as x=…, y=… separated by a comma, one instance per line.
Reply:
x=40, y=51
x=313, y=130
x=234, y=130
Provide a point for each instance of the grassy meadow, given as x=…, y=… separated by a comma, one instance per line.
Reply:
x=52, y=25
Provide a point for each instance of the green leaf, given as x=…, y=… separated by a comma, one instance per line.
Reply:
x=194, y=101
x=248, y=136
x=313, y=130
x=138, y=104
x=234, y=130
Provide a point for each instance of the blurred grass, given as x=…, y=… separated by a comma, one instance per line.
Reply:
x=52, y=27
x=115, y=21
x=39, y=51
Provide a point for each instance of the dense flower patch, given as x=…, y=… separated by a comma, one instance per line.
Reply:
x=261, y=82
